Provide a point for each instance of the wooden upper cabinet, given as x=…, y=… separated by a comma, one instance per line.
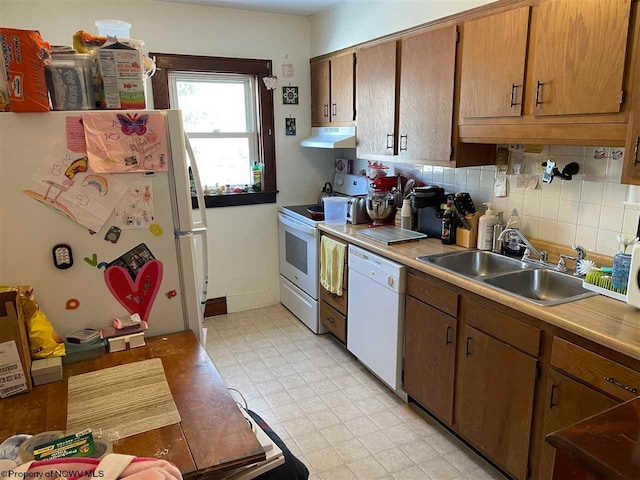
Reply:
x=427, y=72
x=494, y=399
x=429, y=358
x=320, y=92
x=494, y=51
x=578, y=49
x=567, y=402
x=342, y=97
x=375, y=99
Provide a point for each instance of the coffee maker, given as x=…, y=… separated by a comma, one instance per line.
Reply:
x=427, y=201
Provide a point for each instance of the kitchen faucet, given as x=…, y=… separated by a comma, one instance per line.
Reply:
x=542, y=255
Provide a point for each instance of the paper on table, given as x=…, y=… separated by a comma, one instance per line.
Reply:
x=64, y=182
x=126, y=142
x=135, y=210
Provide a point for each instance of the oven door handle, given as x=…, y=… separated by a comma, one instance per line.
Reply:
x=297, y=225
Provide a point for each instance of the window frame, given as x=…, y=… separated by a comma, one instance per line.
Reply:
x=258, y=69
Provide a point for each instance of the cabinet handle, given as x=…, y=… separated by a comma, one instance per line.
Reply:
x=635, y=152
x=618, y=384
x=390, y=136
x=552, y=396
x=326, y=109
x=538, y=101
x=334, y=109
x=447, y=338
x=468, y=347
x=405, y=143
x=513, y=95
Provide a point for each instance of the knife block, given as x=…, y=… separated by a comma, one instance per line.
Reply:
x=468, y=238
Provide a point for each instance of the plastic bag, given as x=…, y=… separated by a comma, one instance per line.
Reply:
x=44, y=342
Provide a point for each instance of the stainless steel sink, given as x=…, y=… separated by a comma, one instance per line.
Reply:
x=538, y=285
x=541, y=286
x=475, y=263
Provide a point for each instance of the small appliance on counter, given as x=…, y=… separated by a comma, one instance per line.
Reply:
x=381, y=205
x=428, y=202
x=354, y=187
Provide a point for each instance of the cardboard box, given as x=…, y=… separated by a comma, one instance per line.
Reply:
x=46, y=370
x=120, y=68
x=15, y=358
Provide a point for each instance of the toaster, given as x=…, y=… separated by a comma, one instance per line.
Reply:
x=357, y=210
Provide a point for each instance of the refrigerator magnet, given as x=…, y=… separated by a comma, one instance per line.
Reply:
x=93, y=260
x=113, y=234
x=171, y=293
x=155, y=229
x=136, y=296
x=72, y=304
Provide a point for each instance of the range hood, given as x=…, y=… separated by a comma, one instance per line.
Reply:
x=331, y=137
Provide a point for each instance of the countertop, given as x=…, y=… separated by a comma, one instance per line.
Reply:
x=603, y=320
x=606, y=444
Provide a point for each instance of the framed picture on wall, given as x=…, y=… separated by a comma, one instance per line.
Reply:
x=290, y=126
x=290, y=95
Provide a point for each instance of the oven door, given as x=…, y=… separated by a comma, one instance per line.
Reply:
x=299, y=247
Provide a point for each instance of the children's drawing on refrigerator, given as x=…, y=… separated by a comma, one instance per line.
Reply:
x=135, y=210
x=125, y=142
x=64, y=182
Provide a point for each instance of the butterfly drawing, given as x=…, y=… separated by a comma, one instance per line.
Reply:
x=133, y=124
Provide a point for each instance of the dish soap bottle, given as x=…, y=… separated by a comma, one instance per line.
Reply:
x=448, y=234
x=485, y=228
x=256, y=173
x=512, y=245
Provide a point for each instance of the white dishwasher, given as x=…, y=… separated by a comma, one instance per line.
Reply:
x=375, y=324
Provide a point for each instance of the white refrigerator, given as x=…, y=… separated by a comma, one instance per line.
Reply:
x=29, y=230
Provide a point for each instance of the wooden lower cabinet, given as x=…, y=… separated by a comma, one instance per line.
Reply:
x=429, y=358
x=568, y=402
x=495, y=395
x=334, y=321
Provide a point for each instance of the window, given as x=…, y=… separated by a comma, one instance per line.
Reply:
x=228, y=117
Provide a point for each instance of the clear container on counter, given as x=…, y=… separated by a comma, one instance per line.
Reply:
x=335, y=210
x=70, y=81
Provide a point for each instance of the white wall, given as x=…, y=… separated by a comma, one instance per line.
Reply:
x=243, y=243
x=356, y=21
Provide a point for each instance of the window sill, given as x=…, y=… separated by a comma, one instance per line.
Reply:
x=235, y=199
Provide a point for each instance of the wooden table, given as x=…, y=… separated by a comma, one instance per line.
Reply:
x=213, y=436
x=603, y=447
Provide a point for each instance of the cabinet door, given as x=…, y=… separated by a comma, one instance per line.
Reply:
x=578, y=53
x=495, y=400
x=426, y=95
x=568, y=402
x=494, y=51
x=375, y=99
x=342, y=89
x=429, y=358
x=320, y=89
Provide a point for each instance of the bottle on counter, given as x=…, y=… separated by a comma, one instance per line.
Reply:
x=485, y=228
x=256, y=175
x=406, y=214
x=448, y=235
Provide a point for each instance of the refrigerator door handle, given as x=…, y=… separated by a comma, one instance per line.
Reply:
x=196, y=180
x=205, y=265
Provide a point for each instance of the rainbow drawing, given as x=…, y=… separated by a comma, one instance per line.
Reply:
x=78, y=166
x=100, y=183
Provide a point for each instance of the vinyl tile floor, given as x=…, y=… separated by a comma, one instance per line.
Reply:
x=331, y=412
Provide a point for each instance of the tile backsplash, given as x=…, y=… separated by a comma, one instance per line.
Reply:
x=589, y=209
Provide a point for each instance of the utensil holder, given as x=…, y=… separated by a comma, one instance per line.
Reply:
x=468, y=238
